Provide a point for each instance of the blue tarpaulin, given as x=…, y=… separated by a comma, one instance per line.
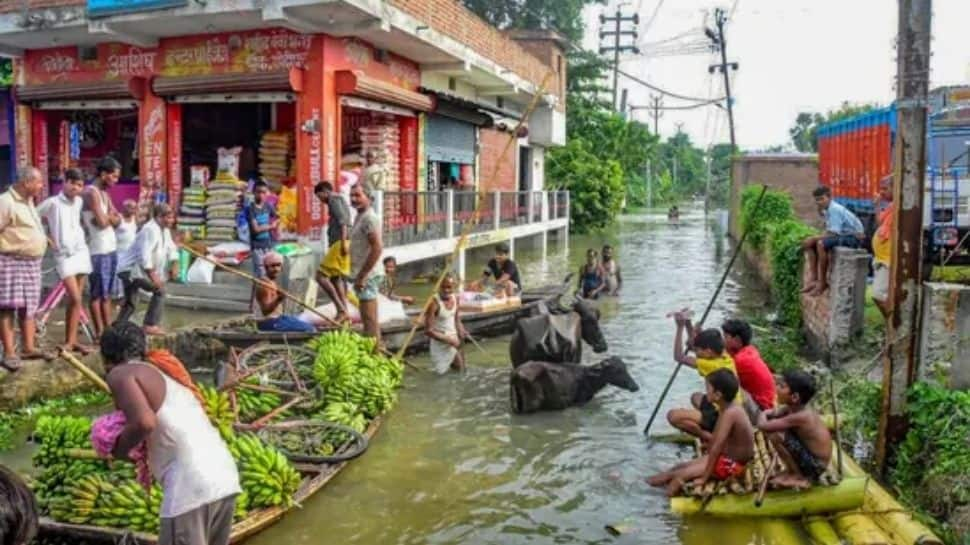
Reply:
x=105, y=8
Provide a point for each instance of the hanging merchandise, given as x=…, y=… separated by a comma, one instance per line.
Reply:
x=275, y=154
x=75, y=142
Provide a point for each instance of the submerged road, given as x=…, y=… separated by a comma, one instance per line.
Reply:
x=452, y=465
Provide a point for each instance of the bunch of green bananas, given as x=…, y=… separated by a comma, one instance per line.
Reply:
x=242, y=506
x=253, y=405
x=350, y=370
x=347, y=414
x=101, y=501
x=219, y=410
x=55, y=434
x=264, y=472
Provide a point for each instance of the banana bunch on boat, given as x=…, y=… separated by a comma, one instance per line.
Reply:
x=347, y=414
x=350, y=370
x=98, y=500
x=266, y=475
x=252, y=404
x=219, y=410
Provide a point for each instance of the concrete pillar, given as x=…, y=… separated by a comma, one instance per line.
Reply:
x=945, y=338
x=378, y=205
x=545, y=244
x=497, y=207
x=460, y=266
x=450, y=213
x=512, y=248
x=833, y=319
x=555, y=205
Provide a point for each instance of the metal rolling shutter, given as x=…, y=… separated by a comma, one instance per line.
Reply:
x=448, y=140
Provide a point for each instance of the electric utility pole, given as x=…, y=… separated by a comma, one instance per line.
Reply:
x=657, y=104
x=718, y=41
x=903, y=324
x=619, y=30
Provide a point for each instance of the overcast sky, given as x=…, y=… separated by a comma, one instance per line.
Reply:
x=794, y=55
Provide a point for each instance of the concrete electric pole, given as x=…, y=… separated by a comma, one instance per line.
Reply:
x=902, y=331
x=656, y=104
x=720, y=42
x=618, y=20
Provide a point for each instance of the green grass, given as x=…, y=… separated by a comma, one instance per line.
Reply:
x=951, y=273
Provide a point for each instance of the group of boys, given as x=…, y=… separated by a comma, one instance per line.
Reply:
x=742, y=394
x=89, y=240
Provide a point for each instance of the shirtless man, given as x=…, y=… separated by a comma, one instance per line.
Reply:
x=732, y=444
x=270, y=300
x=801, y=438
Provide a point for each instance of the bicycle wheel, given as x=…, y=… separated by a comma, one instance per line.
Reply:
x=272, y=359
x=315, y=441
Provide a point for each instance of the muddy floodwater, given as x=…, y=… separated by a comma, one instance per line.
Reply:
x=452, y=465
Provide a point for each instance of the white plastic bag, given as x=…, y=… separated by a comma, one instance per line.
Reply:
x=200, y=272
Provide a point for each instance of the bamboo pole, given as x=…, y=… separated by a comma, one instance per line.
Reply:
x=858, y=529
x=847, y=495
x=888, y=514
x=820, y=530
x=763, y=486
x=83, y=369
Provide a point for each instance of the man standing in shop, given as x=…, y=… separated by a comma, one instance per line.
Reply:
x=335, y=267
x=22, y=246
x=365, y=253
x=375, y=175
x=100, y=219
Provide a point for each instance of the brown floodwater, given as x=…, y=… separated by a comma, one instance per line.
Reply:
x=451, y=464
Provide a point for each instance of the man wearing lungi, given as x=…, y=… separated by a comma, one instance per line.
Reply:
x=22, y=246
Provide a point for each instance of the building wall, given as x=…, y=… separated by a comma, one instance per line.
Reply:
x=795, y=174
x=492, y=144
x=452, y=19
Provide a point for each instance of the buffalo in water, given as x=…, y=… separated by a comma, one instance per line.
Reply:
x=546, y=350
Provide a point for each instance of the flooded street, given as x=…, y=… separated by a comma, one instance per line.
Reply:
x=452, y=465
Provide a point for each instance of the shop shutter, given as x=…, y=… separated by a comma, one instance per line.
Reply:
x=351, y=82
x=279, y=80
x=448, y=140
x=101, y=90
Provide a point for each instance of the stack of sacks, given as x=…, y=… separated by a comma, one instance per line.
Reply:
x=384, y=141
x=275, y=150
x=222, y=206
x=192, y=211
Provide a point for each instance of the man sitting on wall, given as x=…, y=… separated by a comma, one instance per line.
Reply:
x=842, y=229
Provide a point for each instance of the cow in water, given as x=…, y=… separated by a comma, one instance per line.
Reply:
x=544, y=386
x=546, y=349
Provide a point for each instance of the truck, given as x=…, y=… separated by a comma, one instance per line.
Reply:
x=855, y=153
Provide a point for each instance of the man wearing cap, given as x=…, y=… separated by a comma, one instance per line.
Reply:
x=270, y=300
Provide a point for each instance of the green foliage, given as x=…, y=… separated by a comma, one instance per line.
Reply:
x=859, y=406
x=775, y=208
x=786, y=267
x=12, y=421
x=6, y=72
x=934, y=459
x=805, y=130
x=595, y=184
x=564, y=16
x=779, y=348
x=720, y=156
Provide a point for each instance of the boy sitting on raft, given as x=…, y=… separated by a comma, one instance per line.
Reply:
x=731, y=446
x=797, y=432
x=699, y=420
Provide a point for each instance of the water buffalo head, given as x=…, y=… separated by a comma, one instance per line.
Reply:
x=589, y=320
x=615, y=372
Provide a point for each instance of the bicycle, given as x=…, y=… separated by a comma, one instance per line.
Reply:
x=46, y=310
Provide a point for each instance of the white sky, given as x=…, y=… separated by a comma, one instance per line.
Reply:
x=794, y=55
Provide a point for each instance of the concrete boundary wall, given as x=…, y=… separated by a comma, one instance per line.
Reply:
x=945, y=342
x=833, y=319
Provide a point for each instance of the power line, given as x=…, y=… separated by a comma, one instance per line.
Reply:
x=664, y=91
x=653, y=16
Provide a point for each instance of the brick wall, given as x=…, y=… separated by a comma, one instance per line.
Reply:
x=492, y=143
x=795, y=174
x=452, y=19
x=833, y=319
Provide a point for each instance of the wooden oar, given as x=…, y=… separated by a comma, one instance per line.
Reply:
x=282, y=292
x=474, y=342
x=710, y=305
x=84, y=369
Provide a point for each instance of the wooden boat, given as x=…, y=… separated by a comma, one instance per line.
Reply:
x=491, y=323
x=315, y=477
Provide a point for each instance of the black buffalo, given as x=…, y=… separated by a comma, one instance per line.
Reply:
x=557, y=335
x=544, y=386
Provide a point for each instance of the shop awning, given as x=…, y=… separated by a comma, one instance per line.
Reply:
x=445, y=103
x=132, y=88
x=351, y=82
x=258, y=82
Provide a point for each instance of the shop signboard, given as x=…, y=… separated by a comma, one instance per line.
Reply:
x=107, y=8
x=254, y=51
x=151, y=165
x=174, y=114
x=113, y=61
x=40, y=148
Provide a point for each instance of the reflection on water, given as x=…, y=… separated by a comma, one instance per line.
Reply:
x=452, y=465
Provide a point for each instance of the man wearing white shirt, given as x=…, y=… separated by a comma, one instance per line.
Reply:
x=142, y=267
x=62, y=213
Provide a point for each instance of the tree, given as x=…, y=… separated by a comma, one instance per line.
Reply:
x=805, y=130
x=6, y=72
x=595, y=184
x=563, y=16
